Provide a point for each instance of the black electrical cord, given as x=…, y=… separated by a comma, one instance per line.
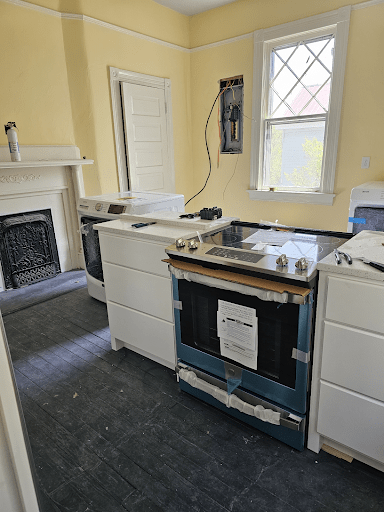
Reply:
x=209, y=156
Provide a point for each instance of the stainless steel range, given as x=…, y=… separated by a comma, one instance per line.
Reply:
x=244, y=309
x=286, y=253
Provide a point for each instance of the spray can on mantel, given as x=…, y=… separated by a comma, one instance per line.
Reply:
x=12, y=141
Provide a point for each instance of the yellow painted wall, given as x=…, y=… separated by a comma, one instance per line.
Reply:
x=54, y=83
x=33, y=77
x=143, y=16
x=361, y=129
x=107, y=48
x=245, y=16
x=54, y=78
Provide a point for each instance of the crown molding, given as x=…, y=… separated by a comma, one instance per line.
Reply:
x=364, y=5
x=33, y=7
x=221, y=43
x=121, y=30
x=138, y=35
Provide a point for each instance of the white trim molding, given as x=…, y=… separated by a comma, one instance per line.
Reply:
x=116, y=28
x=121, y=30
x=34, y=7
x=264, y=40
x=292, y=197
x=20, y=487
x=221, y=43
x=364, y=5
x=116, y=77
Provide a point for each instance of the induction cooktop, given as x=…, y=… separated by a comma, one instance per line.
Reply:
x=285, y=252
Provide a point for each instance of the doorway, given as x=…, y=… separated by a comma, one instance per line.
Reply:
x=142, y=117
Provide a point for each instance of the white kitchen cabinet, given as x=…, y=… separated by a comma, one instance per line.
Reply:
x=347, y=396
x=138, y=284
x=144, y=334
x=138, y=289
x=351, y=419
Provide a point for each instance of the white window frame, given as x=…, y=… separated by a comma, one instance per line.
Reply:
x=120, y=75
x=337, y=23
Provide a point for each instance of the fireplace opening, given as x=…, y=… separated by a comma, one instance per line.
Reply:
x=28, y=249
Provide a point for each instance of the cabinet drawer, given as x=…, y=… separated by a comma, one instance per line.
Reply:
x=135, y=254
x=352, y=420
x=355, y=303
x=353, y=359
x=144, y=292
x=148, y=334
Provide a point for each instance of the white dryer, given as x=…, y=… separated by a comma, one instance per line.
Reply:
x=366, y=209
x=96, y=209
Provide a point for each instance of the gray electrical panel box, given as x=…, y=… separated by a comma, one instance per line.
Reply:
x=231, y=111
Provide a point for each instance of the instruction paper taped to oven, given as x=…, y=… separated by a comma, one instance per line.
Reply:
x=237, y=330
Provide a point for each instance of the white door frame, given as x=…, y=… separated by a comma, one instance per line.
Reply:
x=16, y=461
x=120, y=75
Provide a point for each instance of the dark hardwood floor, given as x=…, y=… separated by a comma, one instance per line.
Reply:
x=111, y=431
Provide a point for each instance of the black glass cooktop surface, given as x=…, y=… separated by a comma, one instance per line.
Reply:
x=293, y=242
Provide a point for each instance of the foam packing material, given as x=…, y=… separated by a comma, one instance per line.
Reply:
x=276, y=291
x=258, y=411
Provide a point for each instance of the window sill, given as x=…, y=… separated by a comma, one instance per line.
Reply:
x=292, y=197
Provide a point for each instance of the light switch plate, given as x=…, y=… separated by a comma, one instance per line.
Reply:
x=365, y=162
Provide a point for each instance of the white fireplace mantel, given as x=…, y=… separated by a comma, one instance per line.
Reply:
x=43, y=157
x=43, y=163
x=75, y=165
x=47, y=177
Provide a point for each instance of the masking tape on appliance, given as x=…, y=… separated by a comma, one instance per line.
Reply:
x=177, y=304
x=258, y=411
x=357, y=220
x=266, y=295
x=304, y=357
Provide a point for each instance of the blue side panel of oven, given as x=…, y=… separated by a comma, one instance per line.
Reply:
x=293, y=438
x=295, y=399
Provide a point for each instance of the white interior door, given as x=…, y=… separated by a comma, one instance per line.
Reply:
x=146, y=138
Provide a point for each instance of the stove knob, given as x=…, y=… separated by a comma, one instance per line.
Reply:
x=301, y=264
x=282, y=260
x=180, y=243
x=192, y=244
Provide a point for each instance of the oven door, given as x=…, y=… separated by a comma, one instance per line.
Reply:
x=284, y=342
x=91, y=247
x=269, y=418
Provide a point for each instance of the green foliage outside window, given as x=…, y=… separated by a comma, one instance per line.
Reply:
x=308, y=177
x=276, y=156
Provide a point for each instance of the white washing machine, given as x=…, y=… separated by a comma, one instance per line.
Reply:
x=96, y=209
x=366, y=209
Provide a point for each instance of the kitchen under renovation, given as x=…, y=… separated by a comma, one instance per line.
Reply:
x=191, y=256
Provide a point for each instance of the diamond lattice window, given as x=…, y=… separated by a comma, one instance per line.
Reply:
x=297, y=108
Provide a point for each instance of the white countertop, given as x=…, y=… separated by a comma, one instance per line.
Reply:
x=159, y=232
x=173, y=218
x=368, y=244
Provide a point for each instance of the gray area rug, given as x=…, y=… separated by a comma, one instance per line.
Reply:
x=21, y=298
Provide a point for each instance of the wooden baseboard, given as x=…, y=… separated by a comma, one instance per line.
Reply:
x=336, y=453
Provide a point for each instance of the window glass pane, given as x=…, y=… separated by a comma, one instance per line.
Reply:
x=284, y=82
x=317, y=45
x=315, y=75
x=285, y=52
x=299, y=71
x=301, y=60
x=294, y=154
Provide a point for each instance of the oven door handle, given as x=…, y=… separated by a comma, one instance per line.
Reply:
x=239, y=399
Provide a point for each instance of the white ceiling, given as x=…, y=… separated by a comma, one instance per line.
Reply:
x=190, y=7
